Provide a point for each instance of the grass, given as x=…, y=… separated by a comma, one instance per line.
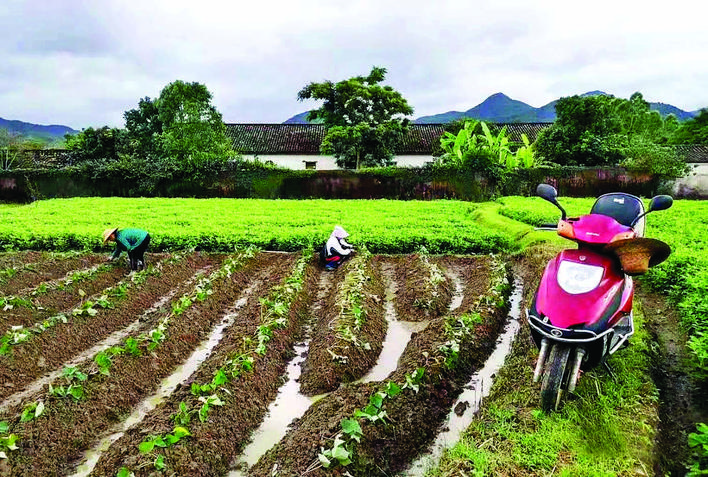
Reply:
x=605, y=429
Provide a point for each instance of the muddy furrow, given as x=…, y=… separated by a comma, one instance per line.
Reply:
x=53, y=444
x=28, y=276
x=18, y=260
x=217, y=441
x=149, y=319
x=59, y=299
x=414, y=417
x=339, y=353
x=422, y=291
x=56, y=345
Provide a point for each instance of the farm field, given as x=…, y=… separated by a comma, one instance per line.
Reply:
x=73, y=380
x=174, y=370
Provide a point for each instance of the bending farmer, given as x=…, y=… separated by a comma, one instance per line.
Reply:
x=336, y=250
x=133, y=241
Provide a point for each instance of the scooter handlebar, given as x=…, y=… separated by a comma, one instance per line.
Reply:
x=547, y=227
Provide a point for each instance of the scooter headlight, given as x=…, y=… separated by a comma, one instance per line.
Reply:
x=576, y=278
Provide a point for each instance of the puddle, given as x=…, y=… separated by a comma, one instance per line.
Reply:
x=476, y=389
x=181, y=374
x=458, y=295
x=397, y=336
x=289, y=404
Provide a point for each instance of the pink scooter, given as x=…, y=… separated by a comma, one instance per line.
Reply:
x=582, y=311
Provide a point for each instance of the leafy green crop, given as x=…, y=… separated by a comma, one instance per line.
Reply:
x=384, y=226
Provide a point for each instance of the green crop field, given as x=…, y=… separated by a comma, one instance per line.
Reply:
x=222, y=224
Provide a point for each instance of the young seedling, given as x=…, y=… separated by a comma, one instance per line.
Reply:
x=8, y=442
x=32, y=411
x=72, y=376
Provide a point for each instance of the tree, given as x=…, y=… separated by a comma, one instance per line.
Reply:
x=193, y=131
x=102, y=144
x=604, y=130
x=693, y=131
x=143, y=129
x=364, y=119
x=583, y=133
x=181, y=125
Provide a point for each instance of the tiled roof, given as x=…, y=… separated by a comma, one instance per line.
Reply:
x=276, y=138
x=306, y=138
x=693, y=153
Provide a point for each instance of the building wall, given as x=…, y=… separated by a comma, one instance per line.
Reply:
x=695, y=184
x=326, y=163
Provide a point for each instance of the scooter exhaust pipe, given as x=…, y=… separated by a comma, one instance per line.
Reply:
x=575, y=370
x=541, y=360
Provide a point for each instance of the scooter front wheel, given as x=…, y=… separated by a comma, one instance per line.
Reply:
x=553, y=377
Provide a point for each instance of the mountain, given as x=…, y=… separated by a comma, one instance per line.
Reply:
x=36, y=131
x=302, y=119
x=499, y=108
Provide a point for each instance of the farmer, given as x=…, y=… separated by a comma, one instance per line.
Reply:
x=336, y=250
x=133, y=241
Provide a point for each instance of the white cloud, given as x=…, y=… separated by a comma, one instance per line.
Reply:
x=83, y=64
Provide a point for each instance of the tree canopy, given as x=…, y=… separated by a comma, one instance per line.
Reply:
x=365, y=119
x=693, y=131
x=606, y=131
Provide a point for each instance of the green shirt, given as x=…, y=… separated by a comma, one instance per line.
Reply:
x=128, y=239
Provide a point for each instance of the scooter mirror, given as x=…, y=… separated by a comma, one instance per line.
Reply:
x=661, y=202
x=547, y=192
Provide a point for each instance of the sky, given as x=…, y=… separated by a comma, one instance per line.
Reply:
x=83, y=63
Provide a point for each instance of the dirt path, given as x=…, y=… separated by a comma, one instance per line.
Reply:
x=682, y=402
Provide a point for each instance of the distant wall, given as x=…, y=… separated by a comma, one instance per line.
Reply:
x=406, y=183
x=695, y=185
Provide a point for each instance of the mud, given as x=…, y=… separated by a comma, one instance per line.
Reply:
x=57, y=442
x=29, y=275
x=683, y=402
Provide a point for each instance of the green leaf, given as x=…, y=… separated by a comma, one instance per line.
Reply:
x=125, y=472
x=77, y=391
x=181, y=431
x=146, y=446
x=220, y=378
x=324, y=460
x=4, y=427
x=160, y=462
x=392, y=389
x=352, y=428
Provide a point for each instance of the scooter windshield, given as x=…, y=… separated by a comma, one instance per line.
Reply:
x=624, y=208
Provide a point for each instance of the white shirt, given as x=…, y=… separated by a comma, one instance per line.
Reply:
x=340, y=246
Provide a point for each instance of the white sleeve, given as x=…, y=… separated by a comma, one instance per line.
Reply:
x=333, y=243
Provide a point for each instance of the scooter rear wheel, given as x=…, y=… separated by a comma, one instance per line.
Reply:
x=553, y=377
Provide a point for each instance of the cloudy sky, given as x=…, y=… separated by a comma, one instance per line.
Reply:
x=83, y=63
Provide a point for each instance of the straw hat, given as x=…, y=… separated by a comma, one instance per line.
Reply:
x=107, y=233
x=638, y=254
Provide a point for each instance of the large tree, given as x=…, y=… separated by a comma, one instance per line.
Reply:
x=693, y=131
x=607, y=131
x=101, y=144
x=364, y=119
x=582, y=134
x=180, y=125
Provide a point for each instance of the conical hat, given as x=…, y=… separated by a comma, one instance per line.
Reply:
x=107, y=233
x=638, y=254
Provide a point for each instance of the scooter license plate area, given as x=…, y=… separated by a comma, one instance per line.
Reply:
x=546, y=329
